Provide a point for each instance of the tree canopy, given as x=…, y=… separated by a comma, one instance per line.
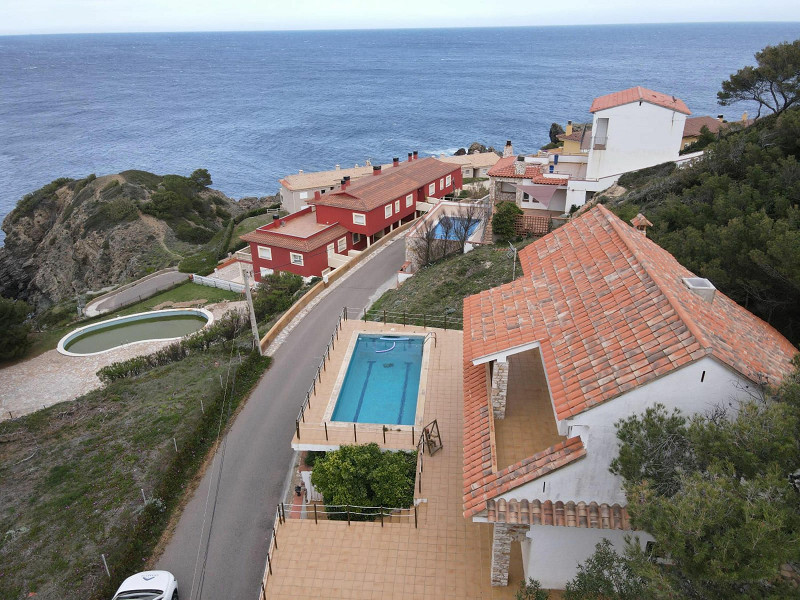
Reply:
x=13, y=328
x=774, y=83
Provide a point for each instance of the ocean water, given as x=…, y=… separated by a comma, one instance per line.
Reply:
x=252, y=107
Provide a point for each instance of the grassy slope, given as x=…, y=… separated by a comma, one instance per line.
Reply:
x=441, y=288
x=71, y=476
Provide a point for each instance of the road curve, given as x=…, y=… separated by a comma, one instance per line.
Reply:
x=257, y=455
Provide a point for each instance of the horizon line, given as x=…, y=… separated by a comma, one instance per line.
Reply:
x=420, y=28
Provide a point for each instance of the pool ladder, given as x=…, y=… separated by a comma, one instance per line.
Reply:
x=429, y=335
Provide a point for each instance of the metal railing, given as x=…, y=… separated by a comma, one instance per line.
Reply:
x=444, y=321
x=351, y=512
x=322, y=367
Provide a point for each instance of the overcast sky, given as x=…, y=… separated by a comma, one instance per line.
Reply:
x=97, y=16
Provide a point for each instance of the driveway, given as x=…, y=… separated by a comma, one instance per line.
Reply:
x=140, y=291
x=256, y=455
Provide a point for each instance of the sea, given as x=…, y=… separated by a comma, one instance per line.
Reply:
x=252, y=107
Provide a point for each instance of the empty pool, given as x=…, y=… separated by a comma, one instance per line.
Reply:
x=382, y=381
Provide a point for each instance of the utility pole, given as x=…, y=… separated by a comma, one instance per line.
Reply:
x=253, y=322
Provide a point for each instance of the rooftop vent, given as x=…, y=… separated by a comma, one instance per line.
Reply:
x=702, y=287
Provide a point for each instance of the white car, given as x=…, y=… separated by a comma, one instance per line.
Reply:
x=149, y=585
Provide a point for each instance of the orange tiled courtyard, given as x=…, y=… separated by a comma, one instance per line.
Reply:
x=446, y=556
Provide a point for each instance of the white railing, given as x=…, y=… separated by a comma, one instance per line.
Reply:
x=219, y=283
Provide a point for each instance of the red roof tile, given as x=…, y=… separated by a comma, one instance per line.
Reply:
x=598, y=287
x=559, y=514
x=639, y=94
x=505, y=168
x=372, y=191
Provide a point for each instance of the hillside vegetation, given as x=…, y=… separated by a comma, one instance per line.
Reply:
x=733, y=216
x=75, y=236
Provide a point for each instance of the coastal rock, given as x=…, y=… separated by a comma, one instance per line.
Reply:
x=73, y=236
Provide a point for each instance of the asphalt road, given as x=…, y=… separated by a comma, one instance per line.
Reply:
x=141, y=290
x=257, y=455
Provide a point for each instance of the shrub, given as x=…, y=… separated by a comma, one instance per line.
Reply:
x=275, y=294
x=504, y=218
x=201, y=263
x=191, y=234
x=365, y=476
x=532, y=589
x=14, y=328
x=30, y=201
x=110, y=214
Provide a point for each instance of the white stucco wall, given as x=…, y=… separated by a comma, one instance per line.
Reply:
x=639, y=136
x=553, y=554
x=588, y=479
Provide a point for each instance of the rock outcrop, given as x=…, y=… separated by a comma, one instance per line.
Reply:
x=74, y=236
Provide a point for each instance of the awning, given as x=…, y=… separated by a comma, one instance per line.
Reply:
x=543, y=194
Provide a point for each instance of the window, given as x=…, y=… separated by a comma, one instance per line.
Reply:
x=265, y=271
x=356, y=238
x=341, y=244
x=409, y=200
x=359, y=219
x=303, y=195
x=330, y=248
x=432, y=188
x=448, y=180
x=441, y=184
x=397, y=206
x=265, y=253
x=297, y=259
x=387, y=210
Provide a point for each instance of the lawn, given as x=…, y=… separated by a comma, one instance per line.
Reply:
x=440, y=288
x=48, y=340
x=72, y=475
x=249, y=225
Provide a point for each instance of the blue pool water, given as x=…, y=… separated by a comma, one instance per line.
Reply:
x=439, y=233
x=382, y=381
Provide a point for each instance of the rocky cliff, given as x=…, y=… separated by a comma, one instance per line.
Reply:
x=74, y=236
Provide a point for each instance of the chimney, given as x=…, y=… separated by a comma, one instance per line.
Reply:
x=720, y=118
x=338, y=167
x=317, y=195
x=641, y=223
x=275, y=218
x=416, y=155
x=410, y=157
x=300, y=172
x=519, y=165
x=376, y=170
x=343, y=183
x=744, y=117
x=395, y=162
x=702, y=287
x=508, y=150
x=569, y=128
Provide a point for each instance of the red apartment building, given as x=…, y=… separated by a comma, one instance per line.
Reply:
x=351, y=217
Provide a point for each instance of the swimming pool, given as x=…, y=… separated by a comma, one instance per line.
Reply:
x=457, y=225
x=381, y=384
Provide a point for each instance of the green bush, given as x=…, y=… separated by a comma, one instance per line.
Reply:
x=14, y=328
x=365, y=476
x=504, y=218
x=110, y=214
x=275, y=294
x=30, y=201
x=201, y=263
x=191, y=234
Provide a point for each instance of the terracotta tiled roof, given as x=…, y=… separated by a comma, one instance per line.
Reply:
x=637, y=94
x=695, y=124
x=640, y=221
x=611, y=312
x=559, y=514
x=320, y=179
x=372, y=191
x=482, y=483
x=505, y=168
x=298, y=244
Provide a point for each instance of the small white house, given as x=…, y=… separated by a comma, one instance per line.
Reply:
x=602, y=325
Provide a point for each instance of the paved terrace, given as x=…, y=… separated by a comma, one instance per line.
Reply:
x=446, y=556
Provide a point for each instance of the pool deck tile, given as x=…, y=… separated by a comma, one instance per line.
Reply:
x=447, y=556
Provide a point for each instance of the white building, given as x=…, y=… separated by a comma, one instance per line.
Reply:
x=603, y=324
x=632, y=129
